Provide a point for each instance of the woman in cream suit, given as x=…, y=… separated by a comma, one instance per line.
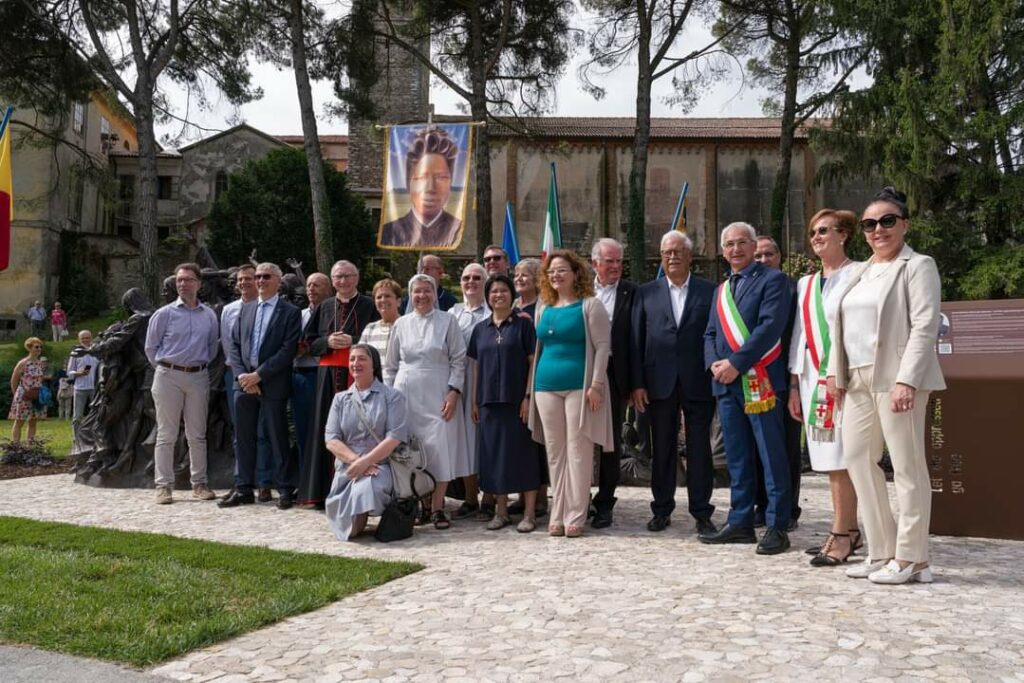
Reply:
x=882, y=368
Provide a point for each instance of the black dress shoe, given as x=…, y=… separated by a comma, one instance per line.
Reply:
x=264, y=496
x=729, y=534
x=285, y=502
x=793, y=525
x=759, y=520
x=659, y=523
x=706, y=527
x=237, y=498
x=602, y=519
x=773, y=542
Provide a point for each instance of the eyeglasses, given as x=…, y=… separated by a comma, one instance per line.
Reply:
x=264, y=276
x=343, y=276
x=494, y=257
x=35, y=346
x=471, y=278
x=673, y=253
x=559, y=271
x=888, y=221
x=185, y=279
x=736, y=244
x=822, y=230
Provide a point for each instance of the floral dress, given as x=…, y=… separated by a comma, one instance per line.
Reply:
x=31, y=377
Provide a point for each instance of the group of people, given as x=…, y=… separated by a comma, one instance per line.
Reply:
x=511, y=391
x=37, y=316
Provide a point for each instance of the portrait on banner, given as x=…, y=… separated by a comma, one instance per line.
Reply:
x=425, y=186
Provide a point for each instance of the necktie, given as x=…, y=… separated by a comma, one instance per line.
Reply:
x=734, y=283
x=257, y=334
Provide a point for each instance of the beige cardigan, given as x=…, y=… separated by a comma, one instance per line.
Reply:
x=908, y=326
x=595, y=424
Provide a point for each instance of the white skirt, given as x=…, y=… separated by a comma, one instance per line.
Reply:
x=826, y=456
x=444, y=443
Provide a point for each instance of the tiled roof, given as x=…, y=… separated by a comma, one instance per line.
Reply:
x=162, y=154
x=597, y=127
x=296, y=139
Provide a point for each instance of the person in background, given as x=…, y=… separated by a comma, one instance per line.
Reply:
x=882, y=369
x=82, y=369
x=743, y=351
x=65, y=396
x=432, y=265
x=817, y=299
x=470, y=312
x=181, y=341
x=36, y=315
x=502, y=349
x=767, y=253
x=318, y=289
x=616, y=294
x=386, y=295
x=495, y=260
x=26, y=379
x=336, y=324
x=366, y=424
x=426, y=361
x=58, y=322
x=569, y=411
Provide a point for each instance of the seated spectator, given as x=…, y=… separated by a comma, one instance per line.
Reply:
x=361, y=445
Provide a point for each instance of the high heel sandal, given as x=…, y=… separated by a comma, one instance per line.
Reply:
x=823, y=559
x=855, y=545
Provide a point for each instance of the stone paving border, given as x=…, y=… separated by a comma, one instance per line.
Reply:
x=620, y=604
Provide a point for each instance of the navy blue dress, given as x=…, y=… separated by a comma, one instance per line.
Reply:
x=508, y=458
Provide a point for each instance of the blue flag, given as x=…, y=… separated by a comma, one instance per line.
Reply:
x=508, y=240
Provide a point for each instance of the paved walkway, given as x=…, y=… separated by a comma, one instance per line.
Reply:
x=621, y=604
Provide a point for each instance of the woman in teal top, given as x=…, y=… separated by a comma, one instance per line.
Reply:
x=569, y=413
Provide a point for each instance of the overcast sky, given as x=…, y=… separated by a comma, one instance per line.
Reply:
x=277, y=112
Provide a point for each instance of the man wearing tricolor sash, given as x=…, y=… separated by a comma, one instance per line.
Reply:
x=742, y=349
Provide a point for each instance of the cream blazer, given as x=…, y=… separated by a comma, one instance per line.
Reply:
x=908, y=327
x=597, y=424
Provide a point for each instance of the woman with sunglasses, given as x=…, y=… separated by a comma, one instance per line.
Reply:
x=471, y=311
x=809, y=402
x=26, y=381
x=882, y=369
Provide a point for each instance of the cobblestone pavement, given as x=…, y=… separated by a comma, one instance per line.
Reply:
x=622, y=604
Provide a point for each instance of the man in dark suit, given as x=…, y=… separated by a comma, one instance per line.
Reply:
x=264, y=344
x=742, y=349
x=669, y=318
x=616, y=295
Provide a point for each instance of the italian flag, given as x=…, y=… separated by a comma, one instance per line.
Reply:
x=552, y=237
x=6, y=190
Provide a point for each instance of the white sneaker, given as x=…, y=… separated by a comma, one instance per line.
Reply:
x=892, y=574
x=163, y=495
x=865, y=569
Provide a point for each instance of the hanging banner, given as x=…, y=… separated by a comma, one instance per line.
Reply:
x=426, y=181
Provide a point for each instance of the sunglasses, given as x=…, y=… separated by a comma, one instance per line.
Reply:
x=471, y=278
x=821, y=230
x=496, y=257
x=263, y=276
x=888, y=221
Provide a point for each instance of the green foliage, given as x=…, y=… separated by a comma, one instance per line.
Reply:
x=82, y=294
x=996, y=274
x=144, y=598
x=268, y=207
x=33, y=452
x=942, y=121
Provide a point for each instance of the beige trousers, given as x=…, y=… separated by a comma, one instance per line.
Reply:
x=867, y=420
x=570, y=455
x=177, y=394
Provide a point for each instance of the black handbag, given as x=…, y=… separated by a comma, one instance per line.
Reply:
x=396, y=522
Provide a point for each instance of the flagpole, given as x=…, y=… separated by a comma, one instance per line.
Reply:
x=7, y=119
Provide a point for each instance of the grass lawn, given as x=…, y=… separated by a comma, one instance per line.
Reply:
x=143, y=598
x=56, y=433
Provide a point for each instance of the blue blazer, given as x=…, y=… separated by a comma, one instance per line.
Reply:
x=663, y=354
x=764, y=304
x=277, y=350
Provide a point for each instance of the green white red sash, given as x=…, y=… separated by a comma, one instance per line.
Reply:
x=820, y=418
x=758, y=394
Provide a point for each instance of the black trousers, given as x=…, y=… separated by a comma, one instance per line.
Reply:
x=793, y=430
x=700, y=471
x=608, y=464
x=247, y=417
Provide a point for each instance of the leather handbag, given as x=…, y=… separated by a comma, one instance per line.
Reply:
x=397, y=520
x=30, y=393
x=408, y=462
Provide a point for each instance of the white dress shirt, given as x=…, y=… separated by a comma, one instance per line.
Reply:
x=606, y=295
x=678, y=297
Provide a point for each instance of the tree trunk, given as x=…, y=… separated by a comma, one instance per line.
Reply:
x=322, y=237
x=636, y=237
x=780, y=192
x=482, y=153
x=145, y=198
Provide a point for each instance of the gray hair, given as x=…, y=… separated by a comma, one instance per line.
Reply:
x=318, y=276
x=738, y=225
x=343, y=262
x=676, y=235
x=272, y=267
x=531, y=266
x=424, y=257
x=475, y=266
x=595, y=251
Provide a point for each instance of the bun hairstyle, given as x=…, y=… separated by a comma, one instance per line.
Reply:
x=893, y=196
